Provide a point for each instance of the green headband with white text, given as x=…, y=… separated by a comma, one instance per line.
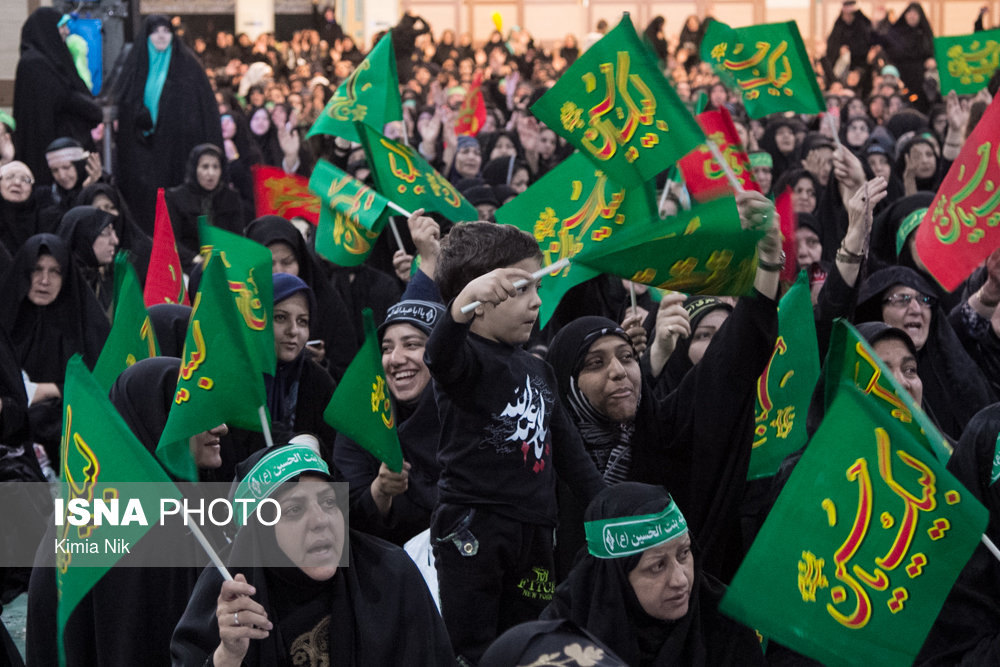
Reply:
x=628, y=535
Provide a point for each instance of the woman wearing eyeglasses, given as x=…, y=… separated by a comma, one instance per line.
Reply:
x=20, y=206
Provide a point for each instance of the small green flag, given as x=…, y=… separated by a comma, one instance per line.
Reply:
x=851, y=362
x=132, y=337
x=785, y=388
x=862, y=546
x=703, y=251
x=361, y=407
x=370, y=95
x=221, y=377
x=97, y=448
x=966, y=63
x=767, y=63
x=615, y=105
x=405, y=178
x=573, y=207
x=351, y=218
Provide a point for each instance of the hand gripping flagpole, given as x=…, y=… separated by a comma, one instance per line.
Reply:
x=518, y=284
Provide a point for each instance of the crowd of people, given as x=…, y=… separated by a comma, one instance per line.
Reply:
x=521, y=444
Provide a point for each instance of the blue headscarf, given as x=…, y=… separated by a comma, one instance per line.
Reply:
x=159, y=63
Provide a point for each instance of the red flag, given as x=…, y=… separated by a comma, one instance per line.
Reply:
x=278, y=193
x=164, y=278
x=472, y=113
x=703, y=176
x=960, y=228
x=789, y=224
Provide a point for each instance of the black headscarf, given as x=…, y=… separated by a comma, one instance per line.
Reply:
x=266, y=144
x=679, y=363
x=80, y=227
x=170, y=323
x=19, y=221
x=781, y=161
x=143, y=394
x=131, y=237
x=558, y=640
x=597, y=596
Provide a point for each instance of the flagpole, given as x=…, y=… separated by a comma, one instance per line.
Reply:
x=992, y=547
x=663, y=197
x=833, y=129
x=392, y=223
x=203, y=541
x=518, y=284
x=631, y=289
x=399, y=209
x=734, y=182
x=265, y=428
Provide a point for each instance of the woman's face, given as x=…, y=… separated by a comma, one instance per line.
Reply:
x=64, y=173
x=403, y=361
x=940, y=124
x=228, y=127
x=663, y=579
x=103, y=202
x=913, y=317
x=15, y=182
x=705, y=332
x=46, y=281
x=718, y=96
x=923, y=160
x=902, y=364
x=105, y=245
x=503, y=147
x=912, y=17
x=209, y=171
x=206, y=447
x=808, y=247
x=279, y=116
x=291, y=327
x=546, y=143
x=804, y=196
x=855, y=107
x=610, y=378
x=311, y=529
x=283, y=259
x=880, y=165
x=260, y=122
x=519, y=181
x=468, y=160
x=161, y=37
x=784, y=139
x=857, y=133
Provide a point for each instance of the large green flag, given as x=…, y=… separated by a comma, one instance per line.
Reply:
x=767, y=63
x=851, y=362
x=703, y=251
x=615, y=105
x=370, y=95
x=132, y=337
x=97, y=449
x=862, y=546
x=404, y=177
x=966, y=63
x=351, y=218
x=221, y=378
x=785, y=388
x=361, y=407
x=570, y=208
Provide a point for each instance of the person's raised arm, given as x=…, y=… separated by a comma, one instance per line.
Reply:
x=672, y=322
x=240, y=619
x=859, y=221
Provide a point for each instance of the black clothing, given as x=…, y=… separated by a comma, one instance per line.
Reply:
x=363, y=287
x=525, y=644
x=855, y=35
x=19, y=221
x=80, y=227
x=170, y=324
x=908, y=48
x=131, y=237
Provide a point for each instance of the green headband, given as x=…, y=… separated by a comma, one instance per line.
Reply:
x=910, y=222
x=276, y=468
x=625, y=536
x=761, y=160
x=8, y=120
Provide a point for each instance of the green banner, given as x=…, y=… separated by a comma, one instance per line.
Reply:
x=351, y=218
x=966, y=63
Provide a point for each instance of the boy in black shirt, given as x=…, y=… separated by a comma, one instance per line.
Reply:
x=503, y=432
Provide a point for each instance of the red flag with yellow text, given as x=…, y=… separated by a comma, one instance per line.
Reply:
x=472, y=113
x=287, y=195
x=703, y=175
x=164, y=278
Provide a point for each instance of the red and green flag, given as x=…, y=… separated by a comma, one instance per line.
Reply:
x=572, y=207
x=862, y=546
x=965, y=63
x=132, y=337
x=97, y=448
x=472, y=113
x=960, y=229
x=785, y=388
x=276, y=192
x=405, y=178
x=615, y=105
x=351, y=218
x=164, y=277
x=703, y=175
x=767, y=63
x=789, y=225
x=370, y=95
x=361, y=407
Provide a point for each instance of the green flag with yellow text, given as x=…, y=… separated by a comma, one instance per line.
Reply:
x=361, y=407
x=351, y=217
x=862, y=546
x=966, y=62
x=370, y=95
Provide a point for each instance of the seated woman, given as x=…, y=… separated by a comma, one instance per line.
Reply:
x=558, y=642
x=90, y=233
x=21, y=206
x=309, y=610
x=649, y=601
x=130, y=235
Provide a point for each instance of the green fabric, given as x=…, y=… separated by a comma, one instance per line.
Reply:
x=615, y=105
x=351, y=218
x=405, y=178
x=132, y=337
x=862, y=546
x=97, y=448
x=785, y=388
x=995, y=471
x=361, y=407
x=273, y=470
x=369, y=95
x=966, y=63
x=767, y=63
x=701, y=251
x=910, y=223
x=159, y=64
x=574, y=206
x=630, y=535
x=78, y=48
x=761, y=160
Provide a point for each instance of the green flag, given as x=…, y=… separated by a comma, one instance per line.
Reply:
x=361, y=407
x=405, y=178
x=220, y=379
x=966, y=63
x=785, y=388
x=97, y=448
x=351, y=218
x=132, y=336
x=703, y=251
x=767, y=63
x=851, y=362
x=861, y=547
x=570, y=208
x=370, y=95
x=615, y=105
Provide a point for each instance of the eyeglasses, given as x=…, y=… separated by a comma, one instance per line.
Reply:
x=902, y=301
x=22, y=179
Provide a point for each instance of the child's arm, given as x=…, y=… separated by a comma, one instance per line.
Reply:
x=489, y=289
